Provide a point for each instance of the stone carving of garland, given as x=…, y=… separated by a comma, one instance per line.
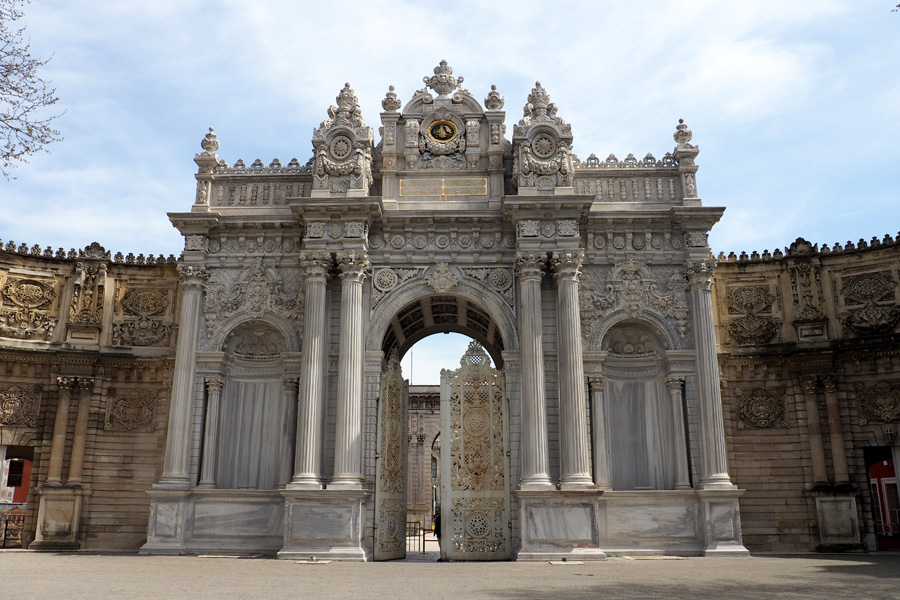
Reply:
x=27, y=305
x=751, y=328
x=879, y=402
x=870, y=290
x=130, y=410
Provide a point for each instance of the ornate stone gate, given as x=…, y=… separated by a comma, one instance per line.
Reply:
x=567, y=271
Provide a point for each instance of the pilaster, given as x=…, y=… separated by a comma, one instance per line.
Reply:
x=675, y=385
x=598, y=433
x=214, y=386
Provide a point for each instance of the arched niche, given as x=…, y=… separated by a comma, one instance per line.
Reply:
x=639, y=414
x=255, y=422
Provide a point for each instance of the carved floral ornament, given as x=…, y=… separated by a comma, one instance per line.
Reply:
x=871, y=298
x=27, y=306
x=131, y=410
x=142, y=325
x=343, y=147
x=751, y=327
x=441, y=279
x=879, y=402
x=760, y=408
x=19, y=405
x=633, y=288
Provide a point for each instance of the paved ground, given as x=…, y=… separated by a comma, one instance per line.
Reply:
x=38, y=576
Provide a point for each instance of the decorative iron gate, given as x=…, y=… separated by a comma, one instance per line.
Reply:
x=474, y=466
x=390, y=489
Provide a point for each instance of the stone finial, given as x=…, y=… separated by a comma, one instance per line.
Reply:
x=443, y=82
x=538, y=101
x=346, y=98
x=682, y=134
x=209, y=143
x=494, y=100
x=391, y=102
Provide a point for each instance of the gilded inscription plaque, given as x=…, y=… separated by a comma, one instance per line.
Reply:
x=443, y=188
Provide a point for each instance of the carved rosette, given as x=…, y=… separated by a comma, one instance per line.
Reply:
x=19, y=405
x=342, y=160
x=871, y=298
x=499, y=280
x=759, y=408
x=27, y=311
x=131, y=410
x=542, y=145
x=879, y=402
x=386, y=279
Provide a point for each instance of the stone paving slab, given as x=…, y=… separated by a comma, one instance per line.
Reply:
x=39, y=576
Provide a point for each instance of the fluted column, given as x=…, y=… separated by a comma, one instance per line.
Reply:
x=289, y=430
x=348, y=436
x=675, y=385
x=60, y=425
x=598, y=419
x=214, y=387
x=76, y=463
x=575, y=460
x=535, y=455
x=178, y=437
x=814, y=427
x=311, y=402
x=835, y=431
x=714, y=473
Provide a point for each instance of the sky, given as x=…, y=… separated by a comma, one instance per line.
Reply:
x=795, y=105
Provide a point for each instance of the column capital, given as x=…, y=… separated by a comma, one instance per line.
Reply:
x=86, y=384
x=808, y=384
x=597, y=382
x=830, y=383
x=530, y=263
x=290, y=384
x=192, y=276
x=353, y=264
x=316, y=264
x=214, y=384
x=65, y=383
x=700, y=275
x=567, y=263
x=674, y=382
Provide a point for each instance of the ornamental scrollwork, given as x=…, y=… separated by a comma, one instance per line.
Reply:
x=751, y=327
x=878, y=402
x=871, y=298
x=143, y=324
x=255, y=290
x=19, y=405
x=131, y=410
x=26, y=309
x=633, y=288
x=500, y=280
x=760, y=408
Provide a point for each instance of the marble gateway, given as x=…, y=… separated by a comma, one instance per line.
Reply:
x=248, y=395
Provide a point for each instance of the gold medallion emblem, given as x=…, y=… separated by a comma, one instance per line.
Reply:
x=442, y=131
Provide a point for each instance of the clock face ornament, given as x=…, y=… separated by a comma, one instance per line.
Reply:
x=442, y=131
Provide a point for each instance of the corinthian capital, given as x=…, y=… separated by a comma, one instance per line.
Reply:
x=353, y=264
x=315, y=263
x=530, y=263
x=192, y=276
x=700, y=275
x=567, y=263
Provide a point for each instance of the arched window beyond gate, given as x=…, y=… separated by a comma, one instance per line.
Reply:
x=254, y=430
x=640, y=420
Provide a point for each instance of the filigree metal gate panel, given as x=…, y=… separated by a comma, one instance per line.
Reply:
x=474, y=466
x=390, y=489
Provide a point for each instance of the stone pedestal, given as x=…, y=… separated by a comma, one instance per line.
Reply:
x=325, y=524
x=59, y=515
x=722, y=522
x=837, y=517
x=559, y=525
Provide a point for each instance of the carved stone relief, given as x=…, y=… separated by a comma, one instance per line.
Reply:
x=542, y=145
x=632, y=287
x=254, y=291
x=130, y=410
x=27, y=309
x=871, y=298
x=878, y=402
x=19, y=405
x=87, y=297
x=500, y=280
x=343, y=148
x=760, y=408
x=751, y=327
x=386, y=279
x=441, y=279
x=146, y=319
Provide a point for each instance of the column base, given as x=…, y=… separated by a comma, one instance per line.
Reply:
x=577, y=483
x=59, y=516
x=540, y=483
x=346, y=483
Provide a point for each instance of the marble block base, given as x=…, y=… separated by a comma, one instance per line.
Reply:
x=59, y=515
x=325, y=524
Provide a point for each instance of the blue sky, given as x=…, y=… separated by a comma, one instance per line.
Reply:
x=795, y=105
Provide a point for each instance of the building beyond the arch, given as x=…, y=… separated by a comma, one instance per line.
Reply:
x=247, y=397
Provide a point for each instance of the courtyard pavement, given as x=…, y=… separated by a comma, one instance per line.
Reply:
x=39, y=576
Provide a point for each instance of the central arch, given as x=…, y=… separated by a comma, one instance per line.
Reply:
x=409, y=314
